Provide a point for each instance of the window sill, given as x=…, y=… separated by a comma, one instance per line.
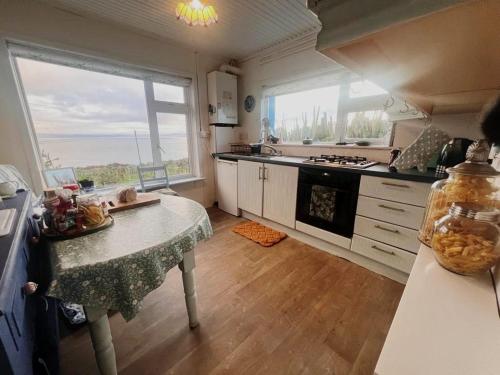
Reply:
x=181, y=181
x=333, y=145
x=186, y=180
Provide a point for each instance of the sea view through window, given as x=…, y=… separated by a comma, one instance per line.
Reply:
x=98, y=123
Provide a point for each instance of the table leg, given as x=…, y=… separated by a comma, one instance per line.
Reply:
x=187, y=267
x=102, y=341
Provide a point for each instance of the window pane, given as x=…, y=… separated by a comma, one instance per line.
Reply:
x=364, y=88
x=372, y=125
x=88, y=121
x=174, y=143
x=168, y=93
x=311, y=113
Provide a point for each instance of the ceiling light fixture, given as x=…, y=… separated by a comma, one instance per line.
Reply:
x=196, y=13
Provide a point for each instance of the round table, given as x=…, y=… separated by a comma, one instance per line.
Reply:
x=116, y=268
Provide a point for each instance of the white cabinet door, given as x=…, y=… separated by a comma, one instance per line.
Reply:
x=250, y=186
x=280, y=193
x=227, y=186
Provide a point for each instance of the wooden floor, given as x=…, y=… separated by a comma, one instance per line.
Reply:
x=288, y=309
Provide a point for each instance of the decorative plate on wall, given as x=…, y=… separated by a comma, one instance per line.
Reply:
x=249, y=103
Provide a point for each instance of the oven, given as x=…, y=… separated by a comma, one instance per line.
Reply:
x=327, y=199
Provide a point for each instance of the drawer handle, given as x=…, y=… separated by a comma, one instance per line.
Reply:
x=383, y=250
x=396, y=185
x=391, y=208
x=387, y=229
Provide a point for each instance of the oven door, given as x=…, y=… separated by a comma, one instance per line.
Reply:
x=327, y=199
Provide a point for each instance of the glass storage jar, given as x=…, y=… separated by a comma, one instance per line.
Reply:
x=466, y=241
x=89, y=206
x=472, y=181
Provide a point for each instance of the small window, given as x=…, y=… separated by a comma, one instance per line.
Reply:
x=306, y=114
x=372, y=126
x=343, y=112
x=361, y=89
x=168, y=93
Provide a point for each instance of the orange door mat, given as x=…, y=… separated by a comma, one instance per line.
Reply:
x=259, y=233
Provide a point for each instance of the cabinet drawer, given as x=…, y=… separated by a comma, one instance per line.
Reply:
x=391, y=234
x=391, y=212
x=409, y=192
x=389, y=255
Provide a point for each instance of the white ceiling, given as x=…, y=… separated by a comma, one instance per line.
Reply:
x=244, y=27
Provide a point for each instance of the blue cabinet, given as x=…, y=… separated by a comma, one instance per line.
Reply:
x=16, y=312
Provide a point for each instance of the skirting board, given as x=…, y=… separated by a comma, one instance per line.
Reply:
x=360, y=260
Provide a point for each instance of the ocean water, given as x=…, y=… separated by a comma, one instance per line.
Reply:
x=84, y=151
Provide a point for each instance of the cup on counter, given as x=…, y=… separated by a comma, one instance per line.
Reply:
x=8, y=188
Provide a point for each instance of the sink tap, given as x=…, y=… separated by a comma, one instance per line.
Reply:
x=273, y=149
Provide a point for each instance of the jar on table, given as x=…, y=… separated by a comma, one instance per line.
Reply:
x=466, y=240
x=473, y=181
x=90, y=206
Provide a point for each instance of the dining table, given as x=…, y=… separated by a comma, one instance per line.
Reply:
x=114, y=269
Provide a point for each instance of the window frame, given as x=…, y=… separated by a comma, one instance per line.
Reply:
x=345, y=105
x=153, y=106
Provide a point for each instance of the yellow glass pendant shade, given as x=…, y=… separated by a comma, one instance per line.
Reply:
x=196, y=13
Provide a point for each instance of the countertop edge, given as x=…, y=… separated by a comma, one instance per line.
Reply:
x=371, y=171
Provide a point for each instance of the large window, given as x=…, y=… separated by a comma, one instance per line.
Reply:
x=105, y=125
x=329, y=112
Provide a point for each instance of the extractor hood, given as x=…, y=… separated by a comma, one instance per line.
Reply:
x=440, y=55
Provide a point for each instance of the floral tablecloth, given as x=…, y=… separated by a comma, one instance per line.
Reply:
x=116, y=268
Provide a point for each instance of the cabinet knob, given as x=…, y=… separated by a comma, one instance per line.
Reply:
x=30, y=288
x=35, y=240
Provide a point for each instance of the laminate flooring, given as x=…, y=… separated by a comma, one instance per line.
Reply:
x=287, y=309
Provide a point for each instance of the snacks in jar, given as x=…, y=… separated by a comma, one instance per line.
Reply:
x=473, y=181
x=465, y=188
x=466, y=241
x=90, y=207
x=464, y=253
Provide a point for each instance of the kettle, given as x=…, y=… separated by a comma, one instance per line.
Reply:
x=453, y=153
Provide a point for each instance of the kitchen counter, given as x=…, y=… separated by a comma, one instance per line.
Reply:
x=445, y=324
x=380, y=170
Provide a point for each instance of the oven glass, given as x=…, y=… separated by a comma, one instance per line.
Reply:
x=328, y=200
x=322, y=203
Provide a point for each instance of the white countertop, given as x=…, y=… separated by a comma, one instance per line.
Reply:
x=445, y=324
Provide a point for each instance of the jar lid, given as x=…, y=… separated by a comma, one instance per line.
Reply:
x=477, y=161
x=473, y=168
x=474, y=211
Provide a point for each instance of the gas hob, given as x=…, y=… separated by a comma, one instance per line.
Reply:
x=340, y=161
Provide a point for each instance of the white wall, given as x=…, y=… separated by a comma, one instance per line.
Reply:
x=309, y=63
x=34, y=22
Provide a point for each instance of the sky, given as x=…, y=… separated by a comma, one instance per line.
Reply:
x=69, y=101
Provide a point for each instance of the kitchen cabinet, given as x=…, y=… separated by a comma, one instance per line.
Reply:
x=227, y=186
x=388, y=216
x=280, y=193
x=250, y=186
x=268, y=190
x=26, y=321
